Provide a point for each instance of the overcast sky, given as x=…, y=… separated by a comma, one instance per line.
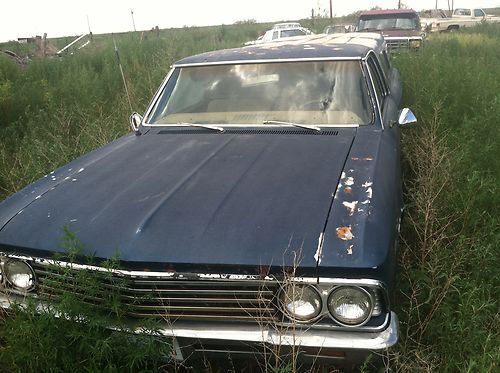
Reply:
x=24, y=18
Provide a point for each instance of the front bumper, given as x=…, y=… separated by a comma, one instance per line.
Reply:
x=253, y=333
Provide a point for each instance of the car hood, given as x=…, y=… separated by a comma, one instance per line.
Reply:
x=188, y=196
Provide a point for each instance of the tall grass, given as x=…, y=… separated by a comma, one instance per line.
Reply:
x=54, y=110
x=450, y=277
x=57, y=109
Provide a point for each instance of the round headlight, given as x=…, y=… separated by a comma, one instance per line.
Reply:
x=301, y=302
x=350, y=306
x=20, y=275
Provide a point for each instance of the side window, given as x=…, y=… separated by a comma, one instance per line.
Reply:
x=479, y=13
x=379, y=83
x=275, y=35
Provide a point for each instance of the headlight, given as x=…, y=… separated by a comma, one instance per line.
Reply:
x=301, y=302
x=350, y=306
x=415, y=43
x=19, y=274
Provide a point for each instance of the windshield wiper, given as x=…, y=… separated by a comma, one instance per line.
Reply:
x=314, y=128
x=214, y=128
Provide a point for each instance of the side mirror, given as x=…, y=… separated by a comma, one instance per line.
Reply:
x=406, y=117
x=135, y=120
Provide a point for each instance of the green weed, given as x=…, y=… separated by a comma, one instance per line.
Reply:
x=82, y=329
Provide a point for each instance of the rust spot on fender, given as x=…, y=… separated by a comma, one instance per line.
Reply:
x=348, y=190
x=344, y=233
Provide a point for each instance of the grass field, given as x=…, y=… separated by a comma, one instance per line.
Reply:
x=54, y=110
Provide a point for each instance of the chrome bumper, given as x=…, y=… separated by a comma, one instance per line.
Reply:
x=306, y=338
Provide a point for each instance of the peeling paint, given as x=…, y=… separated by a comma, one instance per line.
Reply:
x=348, y=190
x=349, y=181
x=351, y=206
x=52, y=173
x=369, y=191
x=66, y=178
x=344, y=233
x=81, y=169
x=48, y=215
x=343, y=175
x=319, y=251
x=367, y=184
x=73, y=180
x=362, y=158
x=365, y=202
x=72, y=220
x=20, y=212
x=38, y=196
x=349, y=249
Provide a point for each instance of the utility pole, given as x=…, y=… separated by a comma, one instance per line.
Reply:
x=133, y=22
x=436, y=5
x=88, y=24
x=331, y=11
x=399, y=4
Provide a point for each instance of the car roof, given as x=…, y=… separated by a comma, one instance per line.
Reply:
x=386, y=11
x=311, y=47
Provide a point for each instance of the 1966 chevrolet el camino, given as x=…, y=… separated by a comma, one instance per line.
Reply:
x=257, y=202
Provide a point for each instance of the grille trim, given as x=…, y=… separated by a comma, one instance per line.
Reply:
x=187, y=299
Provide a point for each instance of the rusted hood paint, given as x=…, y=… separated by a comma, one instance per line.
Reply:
x=366, y=207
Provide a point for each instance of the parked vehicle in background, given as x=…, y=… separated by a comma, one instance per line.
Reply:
x=281, y=31
x=338, y=29
x=461, y=17
x=256, y=205
x=429, y=16
x=400, y=27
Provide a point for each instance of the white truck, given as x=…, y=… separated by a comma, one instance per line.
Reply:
x=461, y=17
x=280, y=31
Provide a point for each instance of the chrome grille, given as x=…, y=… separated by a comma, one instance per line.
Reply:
x=395, y=44
x=169, y=298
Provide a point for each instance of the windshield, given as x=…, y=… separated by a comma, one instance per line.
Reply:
x=315, y=92
x=388, y=22
x=290, y=33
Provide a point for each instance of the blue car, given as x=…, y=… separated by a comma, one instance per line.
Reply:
x=257, y=203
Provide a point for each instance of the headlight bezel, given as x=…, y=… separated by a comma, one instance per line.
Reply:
x=415, y=43
x=376, y=290
x=319, y=312
x=10, y=283
x=362, y=290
